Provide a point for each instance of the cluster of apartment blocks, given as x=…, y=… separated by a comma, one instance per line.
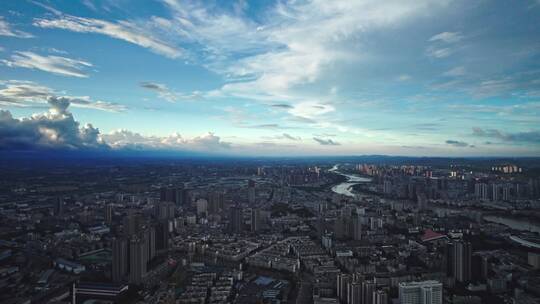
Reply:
x=289, y=253
x=276, y=257
x=355, y=289
x=208, y=288
x=500, y=190
x=139, y=243
x=292, y=252
x=504, y=183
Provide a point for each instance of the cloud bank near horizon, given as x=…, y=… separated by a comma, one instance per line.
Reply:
x=57, y=129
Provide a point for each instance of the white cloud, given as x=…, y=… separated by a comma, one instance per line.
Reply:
x=310, y=110
x=30, y=94
x=494, y=87
x=168, y=94
x=6, y=30
x=404, y=77
x=208, y=142
x=90, y=5
x=53, y=64
x=58, y=129
x=438, y=52
x=457, y=71
x=270, y=60
x=86, y=102
x=447, y=37
x=218, y=33
x=123, y=30
x=440, y=44
x=23, y=94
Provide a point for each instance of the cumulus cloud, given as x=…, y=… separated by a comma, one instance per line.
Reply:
x=123, y=30
x=7, y=30
x=169, y=95
x=209, y=141
x=53, y=64
x=30, y=94
x=55, y=129
x=457, y=143
x=326, y=142
x=518, y=137
x=125, y=139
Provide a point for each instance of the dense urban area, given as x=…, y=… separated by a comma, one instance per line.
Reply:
x=365, y=231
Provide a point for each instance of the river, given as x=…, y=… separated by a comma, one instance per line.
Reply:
x=516, y=224
x=345, y=188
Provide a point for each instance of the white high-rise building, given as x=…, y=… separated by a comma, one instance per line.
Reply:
x=425, y=292
x=496, y=192
x=481, y=190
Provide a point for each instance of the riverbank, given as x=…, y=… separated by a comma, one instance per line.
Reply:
x=515, y=224
x=346, y=188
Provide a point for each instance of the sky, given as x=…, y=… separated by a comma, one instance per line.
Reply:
x=272, y=78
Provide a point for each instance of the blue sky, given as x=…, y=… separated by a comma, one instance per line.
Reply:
x=431, y=78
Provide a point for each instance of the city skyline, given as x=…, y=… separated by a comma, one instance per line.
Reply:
x=425, y=78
